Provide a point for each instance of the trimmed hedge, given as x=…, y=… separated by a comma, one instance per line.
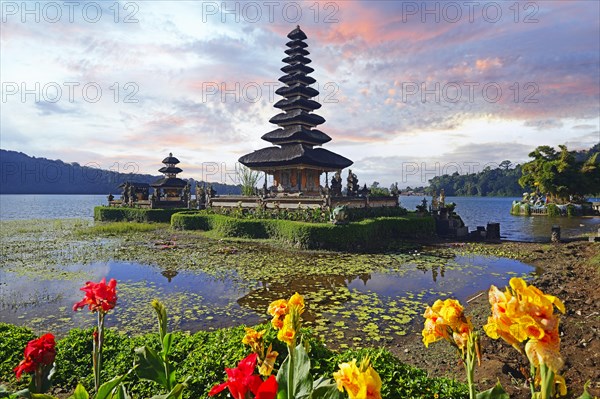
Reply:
x=125, y=214
x=367, y=234
x=203, y=356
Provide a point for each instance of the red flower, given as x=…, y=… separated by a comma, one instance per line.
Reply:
x=38, y=352
x=242, y=379
x=98, y=296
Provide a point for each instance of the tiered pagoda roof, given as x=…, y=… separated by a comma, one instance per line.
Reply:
x=297, y=135
x=170, y=170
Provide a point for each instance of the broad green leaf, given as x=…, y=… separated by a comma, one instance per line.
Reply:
x=150, y=366
x=106, y=389
x=302, y=382
x=80, y=393
x=282, y=379
x=324, y=388
x=497, y=392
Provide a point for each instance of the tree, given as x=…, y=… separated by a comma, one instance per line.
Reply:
x=377, y=191
x=505, y=164
x=248, y=178
x=560, y=174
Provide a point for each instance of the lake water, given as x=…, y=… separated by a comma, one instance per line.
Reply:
x=197, y=301
x=475, y=211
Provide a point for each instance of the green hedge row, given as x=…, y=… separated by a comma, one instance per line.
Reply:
x=355, y=214
x=203, y=356
x=125, y=214
x=366, y=234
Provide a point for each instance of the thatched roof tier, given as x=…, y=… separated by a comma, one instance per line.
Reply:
x=170, y=160
x=297, y=51
x=295, y=155
x=297, y=34
x=297, y=78
x=296, y=134
x=295, y=59
x=303, y=91
x=170, y=170
x=169, y=182
x=294, y=68
x=297, y=102
x=296, y=43
x=297, y=117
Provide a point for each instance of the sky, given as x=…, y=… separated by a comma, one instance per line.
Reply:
x=409, y=89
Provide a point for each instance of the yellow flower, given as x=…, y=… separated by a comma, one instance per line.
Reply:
x=278, y=308
x=525, y=313
x=446, y=320
x=451, y=312
x=359, y=382
x=372, y=383
x=297, y=300
x=266, y=368
x=287, y=332
x=254, y=339
x=349, y=378
x=277, y=322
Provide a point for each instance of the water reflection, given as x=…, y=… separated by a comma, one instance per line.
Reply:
x=199, y=301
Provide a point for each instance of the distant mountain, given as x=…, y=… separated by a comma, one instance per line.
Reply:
x=23, y=174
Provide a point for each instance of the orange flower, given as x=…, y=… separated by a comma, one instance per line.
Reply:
x=278, y=308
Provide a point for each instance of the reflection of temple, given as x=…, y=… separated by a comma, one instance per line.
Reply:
x=293, y=161
x=169, y=274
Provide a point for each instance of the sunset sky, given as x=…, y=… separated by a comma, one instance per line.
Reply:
x=372, y=60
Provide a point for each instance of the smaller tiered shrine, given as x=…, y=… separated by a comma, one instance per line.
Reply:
x=169, y=187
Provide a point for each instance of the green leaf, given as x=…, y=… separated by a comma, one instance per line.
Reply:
x=150, y=366
x=167, y=343
x=106, y=389
x=176, y=392
x=324, y=388
x=497, y=392
x=302, y=382
x=121, y=393
x=585, y=394
x=80, y=393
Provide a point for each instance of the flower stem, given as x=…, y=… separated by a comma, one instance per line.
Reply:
x=97, y=350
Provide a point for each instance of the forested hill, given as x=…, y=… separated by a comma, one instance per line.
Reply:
x=23, y=174
x=500, y=182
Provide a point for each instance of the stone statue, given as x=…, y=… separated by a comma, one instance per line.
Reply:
x=339, y=215
x=211, y=191
x=110, y=198
x=336, y=184
x=442, y=198
x=132, y=194
x=363, y=192
x=352, y=184
x=200, y=196
x=125, y=195
x=434, y=202
x=187, y=195
x=394, y=190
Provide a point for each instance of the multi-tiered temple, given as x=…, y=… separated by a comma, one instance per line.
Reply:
x=170, y=188
x=293, y=161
